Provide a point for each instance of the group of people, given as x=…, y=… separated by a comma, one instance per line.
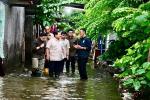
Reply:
x=58, y=49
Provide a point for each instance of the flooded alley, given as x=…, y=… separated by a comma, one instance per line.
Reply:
x=48, y=49
x=99, y=86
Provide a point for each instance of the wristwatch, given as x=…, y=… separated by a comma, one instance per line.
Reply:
x=84, y=48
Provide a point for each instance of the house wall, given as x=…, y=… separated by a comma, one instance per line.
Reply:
x=13, y=43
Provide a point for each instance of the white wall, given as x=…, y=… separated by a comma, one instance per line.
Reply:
x=111, y=36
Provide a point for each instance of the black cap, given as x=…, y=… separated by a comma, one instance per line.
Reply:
x=42, y=34
x=63, y=33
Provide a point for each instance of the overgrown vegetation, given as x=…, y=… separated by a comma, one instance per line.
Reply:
x=132, y=26
x=135, y=27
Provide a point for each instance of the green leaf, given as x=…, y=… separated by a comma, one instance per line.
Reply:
x=138, y=56
x=146, y=65
x=130, y=51
x=136, y=85
x=133, y=27
x=145, y=6
x=148, y=75
x=128, y=81
x=141, y=18
x=147, y=30
x=143, y=82
x=140, y=71
x=133, y=69
x=125, y=73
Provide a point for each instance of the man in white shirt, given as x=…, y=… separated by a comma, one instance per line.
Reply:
x=66, y=45
x=55, y=55
x=49, y=36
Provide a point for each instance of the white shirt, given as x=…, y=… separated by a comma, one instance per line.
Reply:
x=52, y=35
x=66, y=45
x=55, y=49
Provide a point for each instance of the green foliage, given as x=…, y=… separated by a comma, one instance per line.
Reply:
x=132, y=25
x=98, y=16
x=91, y=4
x=50, y=10
x=74, y=19
x=136, y=71
x=81, y=1
x=136, y=27
x=123, y=11
x=131, y=3
x=126, y=28
x=145, y=6
x=64, y=26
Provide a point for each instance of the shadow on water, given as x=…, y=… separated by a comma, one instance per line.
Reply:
x=99, y=86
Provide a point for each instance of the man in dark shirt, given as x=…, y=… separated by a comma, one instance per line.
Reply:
x=72, y=53
x=39, y=50
x=83, y=50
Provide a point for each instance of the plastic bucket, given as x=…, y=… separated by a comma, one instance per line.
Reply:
x=46, y=71
x=34, y=62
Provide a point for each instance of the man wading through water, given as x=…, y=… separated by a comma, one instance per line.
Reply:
x=83, y=50
x=55, y=54
x=72, y=53
x=38, y=54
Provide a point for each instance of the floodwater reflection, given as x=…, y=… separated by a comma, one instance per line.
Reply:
x=99, y=86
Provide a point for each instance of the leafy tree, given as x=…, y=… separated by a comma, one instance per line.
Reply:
x=50, y=10
x=135, y=27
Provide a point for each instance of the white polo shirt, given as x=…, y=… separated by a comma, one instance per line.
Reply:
x=55, y=49
x=66, y=45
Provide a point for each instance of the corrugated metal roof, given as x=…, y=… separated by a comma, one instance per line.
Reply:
x=4, y=1
x=21, y=2
x=75, y=5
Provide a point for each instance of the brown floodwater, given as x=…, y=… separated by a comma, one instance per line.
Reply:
x=21, y=86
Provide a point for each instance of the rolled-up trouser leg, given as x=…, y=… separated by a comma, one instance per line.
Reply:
x=41, y=64
x=35, y=62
